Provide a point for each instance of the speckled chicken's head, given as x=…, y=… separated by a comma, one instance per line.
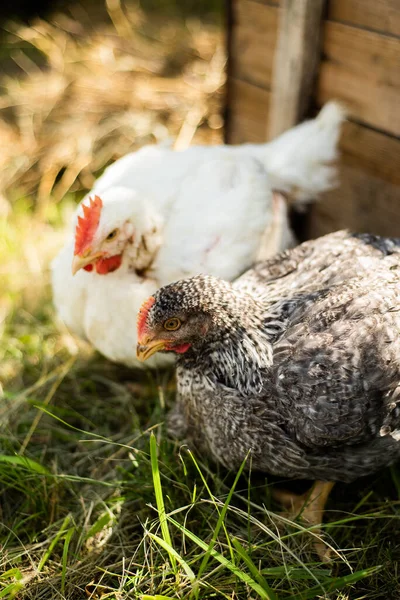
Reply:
x=109, y=224
x=182, y=314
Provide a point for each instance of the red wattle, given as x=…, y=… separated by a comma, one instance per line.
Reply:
x=88, y=267
x=108, y=265
x=179, y=349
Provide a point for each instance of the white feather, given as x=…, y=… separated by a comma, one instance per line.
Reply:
x=300, y=161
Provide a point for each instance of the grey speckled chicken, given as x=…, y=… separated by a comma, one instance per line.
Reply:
x=297, y=361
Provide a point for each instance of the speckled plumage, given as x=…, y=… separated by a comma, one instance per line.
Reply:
x=299, y=362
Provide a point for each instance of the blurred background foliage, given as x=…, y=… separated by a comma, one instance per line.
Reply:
x=96, y=80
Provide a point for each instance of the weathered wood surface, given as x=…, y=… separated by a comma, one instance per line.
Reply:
x=377, y=15
x=296, y=59
x=269, y=2
x=248, y=112
x=378, y=154
x=253, y=41
x=362, y=203
x=362, y=68
x=368, y=198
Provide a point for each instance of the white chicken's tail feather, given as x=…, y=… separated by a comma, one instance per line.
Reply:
x=300, y=162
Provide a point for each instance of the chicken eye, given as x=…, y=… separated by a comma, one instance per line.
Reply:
x=172, y=324
x=112, y=235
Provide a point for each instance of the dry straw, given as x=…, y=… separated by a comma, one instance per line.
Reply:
x=83, y=89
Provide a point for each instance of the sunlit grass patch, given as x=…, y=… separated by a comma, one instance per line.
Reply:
x=98, y=505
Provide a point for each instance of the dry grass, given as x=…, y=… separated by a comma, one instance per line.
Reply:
x=87, y=92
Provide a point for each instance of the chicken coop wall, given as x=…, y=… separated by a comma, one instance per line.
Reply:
x=352, y=55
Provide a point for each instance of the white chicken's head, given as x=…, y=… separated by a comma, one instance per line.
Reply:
x=107, y=225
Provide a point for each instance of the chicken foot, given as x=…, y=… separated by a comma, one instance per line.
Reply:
x=310, y=507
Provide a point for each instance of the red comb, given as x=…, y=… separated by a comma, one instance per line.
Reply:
x=87, y=225
x=142, y=316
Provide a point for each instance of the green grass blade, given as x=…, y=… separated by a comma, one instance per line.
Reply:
x=11, y=590
x=253, y=569
x=99, y=525
x=331, y=585
x=212, y=500
x=54, y=542
x=66, y=368
x=159, y=497
x=157, y=597
x=203, y=479
x=171, y=550
x=296, y=573
x=224, y=561
x=221, y=517
x=13, y=573
x=67, y=541
x=57, y=418
x=26, y=463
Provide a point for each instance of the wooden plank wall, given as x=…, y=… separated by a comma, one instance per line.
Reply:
x=360, y=65
x=251, y=54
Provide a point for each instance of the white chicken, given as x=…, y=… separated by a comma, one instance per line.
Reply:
x=158, y=215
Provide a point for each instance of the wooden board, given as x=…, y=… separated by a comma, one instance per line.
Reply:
x=268, y=2
x=248, y=112
x=296, y=60
x=377, y=15
x=362, y=203
x=378, y=154
x=253, y=40
x=362, y=68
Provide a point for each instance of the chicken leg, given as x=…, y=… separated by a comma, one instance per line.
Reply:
x=310, y=506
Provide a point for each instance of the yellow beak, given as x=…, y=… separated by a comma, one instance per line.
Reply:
x=79, y=262
x=148, y=348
